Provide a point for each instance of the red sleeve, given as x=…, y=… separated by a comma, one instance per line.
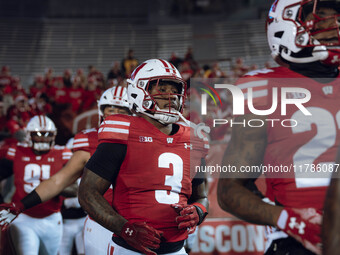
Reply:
x=66, y=155
x=81, y=142
x=10, y=155
x=114, y=129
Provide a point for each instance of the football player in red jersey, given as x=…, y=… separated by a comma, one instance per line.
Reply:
x=112, y=101
x=304, y=39
x=331, y=220
x=147, y=159
x=38, y=229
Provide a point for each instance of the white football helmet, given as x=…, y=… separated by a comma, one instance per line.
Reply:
x=155, y=71
x=41, y=133
x=293, y=38
x=115, y=96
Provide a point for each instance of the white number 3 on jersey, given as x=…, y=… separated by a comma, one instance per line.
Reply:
x=174, y=181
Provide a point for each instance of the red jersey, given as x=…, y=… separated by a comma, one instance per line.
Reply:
x=155, y=172
x=29, y=170
x=308, y=141
x=87, y=140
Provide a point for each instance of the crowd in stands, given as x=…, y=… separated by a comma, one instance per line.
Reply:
x=66, y=96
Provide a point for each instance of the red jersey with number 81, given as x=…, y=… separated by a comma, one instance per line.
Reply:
x=29, y=170
x=155, y=172
x=301, y=142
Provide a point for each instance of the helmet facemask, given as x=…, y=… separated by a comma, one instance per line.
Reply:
x=305, y=31
x=41, y=133
x=42, y=141
x=164, y=98
x=319, y=19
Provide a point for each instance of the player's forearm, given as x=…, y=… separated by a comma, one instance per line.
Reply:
x=239, y=201
x=54, y=186
x=63, y=178
x=199, y=195
x=203, y=201
x=90, y=195
x=70, y=191
x=331, y=222
x=99, y=209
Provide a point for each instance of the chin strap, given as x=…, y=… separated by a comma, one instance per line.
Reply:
x=200, y=130
x=189, y=123
x=162, y=117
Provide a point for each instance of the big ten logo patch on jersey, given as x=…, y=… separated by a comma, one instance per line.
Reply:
x=145, y=139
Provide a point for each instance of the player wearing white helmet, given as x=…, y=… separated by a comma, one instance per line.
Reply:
x=39, y=229
x=41, y=133
x=304, y=31
x=153, y=209
x=112, y=101
x=115, y=99
x=304, y=39
x=154, y=74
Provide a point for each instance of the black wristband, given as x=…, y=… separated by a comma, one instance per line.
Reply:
x=31, y=200
x=201, y=214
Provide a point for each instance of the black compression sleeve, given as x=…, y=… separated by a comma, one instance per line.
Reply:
x=32, y=199
x=107, y=159
x=6, y=168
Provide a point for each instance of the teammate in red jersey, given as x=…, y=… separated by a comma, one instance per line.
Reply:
x=331, y=221
x=303, y=37
x=147, y=158
x=112, y=101
x=38, y=229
